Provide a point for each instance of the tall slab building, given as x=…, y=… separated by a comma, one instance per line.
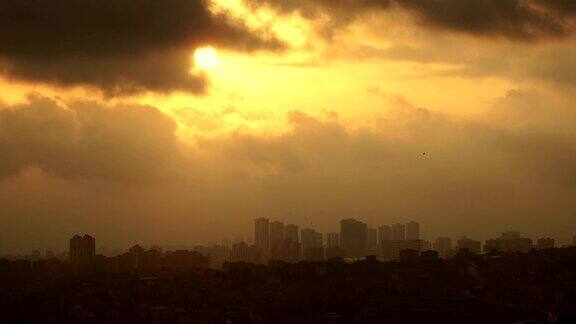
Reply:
x=262, y=238
x=291, y=233
x=412, y=231
x=354, y=238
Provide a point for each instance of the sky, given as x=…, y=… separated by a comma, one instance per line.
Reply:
x=178, y=122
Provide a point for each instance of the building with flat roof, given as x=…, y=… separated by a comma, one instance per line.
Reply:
x=82, y=250
x=412, y=231
x=262, y=238
x=508, y=242
x=409, y=255
x=354, y=238
x=469, y=245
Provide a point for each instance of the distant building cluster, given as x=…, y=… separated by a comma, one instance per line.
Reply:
x=398, y=237
x=83, y=258
x=153, y=286
x=276, y=241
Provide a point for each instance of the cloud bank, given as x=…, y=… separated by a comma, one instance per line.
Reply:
x=86, y=141
x=121, y=172
x=513, y=19
x=117, y=46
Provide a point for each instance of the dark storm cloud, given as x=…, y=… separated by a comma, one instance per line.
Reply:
x=119, y=46
x=344, y=9
x=565, y=7
x=513, y=19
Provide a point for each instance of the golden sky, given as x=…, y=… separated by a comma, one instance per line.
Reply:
x=180, y=121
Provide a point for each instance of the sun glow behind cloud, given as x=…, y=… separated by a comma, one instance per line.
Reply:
x=206, y=58
x=251, y=92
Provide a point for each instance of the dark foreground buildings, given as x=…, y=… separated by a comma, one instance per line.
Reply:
x=153, y=286
x=292, y=276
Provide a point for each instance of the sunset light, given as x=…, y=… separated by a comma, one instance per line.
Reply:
x=206, y=58
x=146, y=139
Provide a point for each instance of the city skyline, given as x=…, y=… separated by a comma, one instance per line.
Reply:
x=251, y=240
x=288, y=161
x=274, y=240
x=507, y=284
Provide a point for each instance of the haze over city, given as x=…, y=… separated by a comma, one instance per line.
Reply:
x=178, y=122
x=288, y=161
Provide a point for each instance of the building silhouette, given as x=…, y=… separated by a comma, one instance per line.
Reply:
x=469, y=245
x=276, y=240
x=372, y=241
x=218, y=255
x=508, y=242
x=240, y=252
x=291, y=233
x=333, y=248
x=390, y=250
x=444, y=247
x=384, y=233
x=262, y=238
x=412, y=231
x=276, y=233
x=354, y=238
x=544, y=243
x=310, y=239
x=408, y=255
x=312, y=247
x=82, y=250
x=333, y=240
x=419, y=245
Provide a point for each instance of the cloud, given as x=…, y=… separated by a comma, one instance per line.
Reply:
x=537, y=132
x=85, y=140
x=564, y=7
x=343, y=9
x=121, y=173
x=557, y=65
x=120, y=47
x=509, y=166
x=512, y=19
x=390, y=147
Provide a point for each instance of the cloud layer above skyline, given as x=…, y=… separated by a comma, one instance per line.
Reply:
x=505, y=167
x=457, y=114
